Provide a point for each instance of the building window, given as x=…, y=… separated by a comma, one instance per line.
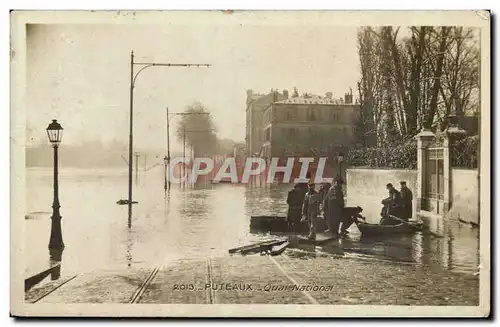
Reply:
x=313, y=115
x=312, y=135
x=291, y=134
x=334, y=116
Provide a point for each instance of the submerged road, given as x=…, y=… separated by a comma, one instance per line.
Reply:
x=177, y=251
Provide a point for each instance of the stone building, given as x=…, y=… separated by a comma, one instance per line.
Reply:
x=308, y=125
x=256, y=103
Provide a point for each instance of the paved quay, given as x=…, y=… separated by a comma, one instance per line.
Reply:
x=261, y=279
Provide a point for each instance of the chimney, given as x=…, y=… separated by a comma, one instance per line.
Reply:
x=285, y=94
x=249, y=95
x=348, y=98
x=275, y=95
x=328, y=95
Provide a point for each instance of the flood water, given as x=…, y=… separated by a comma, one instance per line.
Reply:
x=193, y=222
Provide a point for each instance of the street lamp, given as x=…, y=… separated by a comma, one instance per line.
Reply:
x=54, y=132
x=340, y=159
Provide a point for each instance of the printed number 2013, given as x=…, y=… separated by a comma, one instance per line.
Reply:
x=183, y=287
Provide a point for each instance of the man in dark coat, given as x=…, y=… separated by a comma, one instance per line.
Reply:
x=350, y=216
x=294, y=200
x=333, y=206
x=407, y=202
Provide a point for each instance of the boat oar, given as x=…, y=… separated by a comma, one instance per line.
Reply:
x=400, y=220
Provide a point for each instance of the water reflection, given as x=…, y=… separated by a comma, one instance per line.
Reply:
x=199, y=220
x=457, y=250
x=128, y=245
x=56, y=262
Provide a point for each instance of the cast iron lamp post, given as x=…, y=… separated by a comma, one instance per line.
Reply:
x=54, y=132
x=340, y=159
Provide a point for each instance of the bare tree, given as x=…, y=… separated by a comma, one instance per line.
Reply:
x=414, y=77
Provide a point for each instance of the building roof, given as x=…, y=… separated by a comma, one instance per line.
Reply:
x=263, y=98
x=313, y=99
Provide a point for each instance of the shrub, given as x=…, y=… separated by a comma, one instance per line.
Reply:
x=465, y=152
x=399, y=156
x=404, y=156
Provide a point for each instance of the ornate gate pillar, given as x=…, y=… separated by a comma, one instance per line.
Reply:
x=424, y=138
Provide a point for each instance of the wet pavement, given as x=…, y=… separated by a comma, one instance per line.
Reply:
x=202, y=221
x=266, y=280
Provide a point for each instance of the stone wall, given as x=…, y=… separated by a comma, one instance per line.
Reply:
x=366, y=188
x=464, y=195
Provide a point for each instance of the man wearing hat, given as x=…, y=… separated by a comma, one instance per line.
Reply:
x=406, y=202
x=333, y=206
x=310, y=209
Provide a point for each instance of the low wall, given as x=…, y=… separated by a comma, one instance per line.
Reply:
x=365, y=187
x=464, y=195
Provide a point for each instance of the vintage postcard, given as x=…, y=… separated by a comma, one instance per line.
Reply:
x=250, y=163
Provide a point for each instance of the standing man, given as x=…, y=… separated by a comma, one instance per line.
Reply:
x=407, y=202
x=294, y=200
x=310, y=209
x=334, y=206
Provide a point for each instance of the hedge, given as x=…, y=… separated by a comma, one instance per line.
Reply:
x=398, y=156
x=404, y=156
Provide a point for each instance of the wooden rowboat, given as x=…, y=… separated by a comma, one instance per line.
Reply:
x=376, y=229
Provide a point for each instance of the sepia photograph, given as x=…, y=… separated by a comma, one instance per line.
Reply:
x=250, y=163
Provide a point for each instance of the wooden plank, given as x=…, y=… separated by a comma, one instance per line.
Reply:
x=261, y=248
x=278, y=249
x=251, y=246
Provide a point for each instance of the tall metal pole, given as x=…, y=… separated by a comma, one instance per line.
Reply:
x=130, y=142
x=56, y=241
x=167, y=167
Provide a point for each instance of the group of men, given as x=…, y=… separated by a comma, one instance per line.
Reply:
x=306, y=205
x=398, y=206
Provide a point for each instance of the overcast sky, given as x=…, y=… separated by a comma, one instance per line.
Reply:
x=80, y=74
